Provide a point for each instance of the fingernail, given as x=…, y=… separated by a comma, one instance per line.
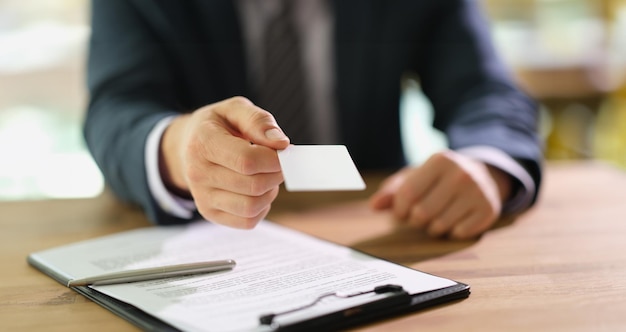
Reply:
x=275, y=134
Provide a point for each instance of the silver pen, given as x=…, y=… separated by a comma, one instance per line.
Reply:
x=154, y=273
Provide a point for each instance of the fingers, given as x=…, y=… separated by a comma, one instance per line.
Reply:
x=233, y=199
x=383, y=198
x=440, y=198
x=234, y=210
x=235, y=154
x=230, y=163
x=450, y=218
x=449, y=195
x=457, y=211
x=473, y=225
x=249, y=185
x=423, y=186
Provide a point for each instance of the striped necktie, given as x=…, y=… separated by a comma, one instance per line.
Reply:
x=283, y=89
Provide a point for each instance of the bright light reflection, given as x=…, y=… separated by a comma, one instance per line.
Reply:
x=41, y=156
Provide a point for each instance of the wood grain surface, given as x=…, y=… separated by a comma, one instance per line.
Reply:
x=559, y=267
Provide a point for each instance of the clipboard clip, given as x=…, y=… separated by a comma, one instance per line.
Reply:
x=399, y=296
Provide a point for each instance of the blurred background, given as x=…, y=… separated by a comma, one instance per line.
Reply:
x=569, y=54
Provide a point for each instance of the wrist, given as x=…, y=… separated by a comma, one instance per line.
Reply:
x=170, y=158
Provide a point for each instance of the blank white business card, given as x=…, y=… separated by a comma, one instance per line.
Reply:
x=319, y=168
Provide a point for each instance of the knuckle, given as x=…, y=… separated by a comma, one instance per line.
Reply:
x=192, y=147
x=261, y=116
x=460, y=234
x=420, y=214
x=436, y=229
x=257, y=186
x=247, y=222
x=196, y=150
x=409, y=193
x=245, y=164
x=227, y=219
x=462, y=178
x=417, y=217
x=206, y=212
x=251, y=207
x=194, y=175
x=440, y=158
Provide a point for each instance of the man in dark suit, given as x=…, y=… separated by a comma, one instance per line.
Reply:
x=167, y=129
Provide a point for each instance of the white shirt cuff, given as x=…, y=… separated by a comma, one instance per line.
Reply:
x=170, y=203
x=497, y=158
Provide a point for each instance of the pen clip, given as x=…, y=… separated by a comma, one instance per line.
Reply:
x=399, y=296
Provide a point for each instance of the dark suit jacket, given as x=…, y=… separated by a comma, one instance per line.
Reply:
x=152, y=58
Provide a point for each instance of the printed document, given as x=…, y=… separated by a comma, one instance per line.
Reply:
x=278, y=269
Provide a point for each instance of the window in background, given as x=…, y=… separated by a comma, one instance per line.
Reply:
x=42, y=100
x=569, y=55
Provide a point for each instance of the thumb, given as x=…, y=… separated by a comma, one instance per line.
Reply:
x=263, y=130
x=253, y=123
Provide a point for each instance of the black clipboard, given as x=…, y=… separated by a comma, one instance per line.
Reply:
x=346, y=318
x=376, y=309
x=340, y=320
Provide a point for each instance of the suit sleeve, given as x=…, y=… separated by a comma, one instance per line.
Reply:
x=129, y=87
x=475, y=100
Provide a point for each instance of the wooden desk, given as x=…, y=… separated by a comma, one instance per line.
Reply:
x=560, y=267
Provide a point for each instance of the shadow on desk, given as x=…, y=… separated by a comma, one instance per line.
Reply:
x=408, y=246
x=345, y=218
x=353, y=223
